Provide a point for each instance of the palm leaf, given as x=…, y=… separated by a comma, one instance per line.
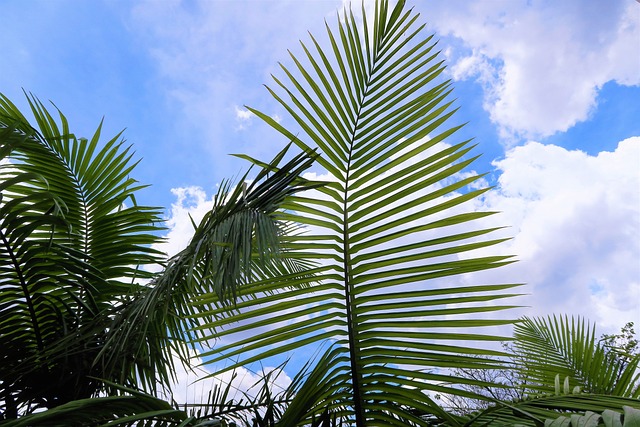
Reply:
x=608, y=418
x=237, y=242
x=388, y=229
x=128, y=407
x=557, y=346
x=74, y=244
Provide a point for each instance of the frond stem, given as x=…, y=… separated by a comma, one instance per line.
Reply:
x=25, y=291
x=354, y=345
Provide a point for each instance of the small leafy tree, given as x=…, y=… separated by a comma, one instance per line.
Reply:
x=500, y=384
x=621, y=347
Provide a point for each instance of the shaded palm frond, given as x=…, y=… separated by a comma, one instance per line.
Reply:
x=125, y=407
x=239, y=241
x=73, y=241
x=75, y=299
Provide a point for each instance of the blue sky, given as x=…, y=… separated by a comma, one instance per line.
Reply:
x=551, y=91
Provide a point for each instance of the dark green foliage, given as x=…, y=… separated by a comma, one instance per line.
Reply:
x=77, y=304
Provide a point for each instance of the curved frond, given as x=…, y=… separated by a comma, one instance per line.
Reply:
x=237, y=242
x=75, y=300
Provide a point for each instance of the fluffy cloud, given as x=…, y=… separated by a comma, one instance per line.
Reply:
x=541, y=63
x=193, y=386
x=243, y=117
x=191, y=204
x=575, y=222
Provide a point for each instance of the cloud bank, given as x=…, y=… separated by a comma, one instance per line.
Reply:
x=575, y=222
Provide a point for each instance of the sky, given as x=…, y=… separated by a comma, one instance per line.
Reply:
x=550, y=91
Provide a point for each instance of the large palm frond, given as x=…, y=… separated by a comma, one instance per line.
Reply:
x=567, y=348
x=388, y=229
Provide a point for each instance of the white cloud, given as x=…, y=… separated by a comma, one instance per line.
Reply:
x=193, y=386
x=243, y=117
x=541, y=63
x=192, y=203
x=575, y=222
x=243, y=114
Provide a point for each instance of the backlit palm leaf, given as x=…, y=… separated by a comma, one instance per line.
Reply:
x=388, y=223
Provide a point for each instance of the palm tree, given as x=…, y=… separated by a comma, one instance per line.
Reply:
x=559, y=347
x=80, y=314
x=389, y=223
x=556, y=365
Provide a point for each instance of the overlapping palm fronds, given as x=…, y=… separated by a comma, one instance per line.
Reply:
x=376, y=275
x=77, y=305
x=127, y=407
x=73, y=240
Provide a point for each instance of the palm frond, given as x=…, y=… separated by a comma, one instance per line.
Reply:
x=71, y=248
x=388, y=228
x=73, y=299
x=237, y=242
x=568, y=348
x=126, y=408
